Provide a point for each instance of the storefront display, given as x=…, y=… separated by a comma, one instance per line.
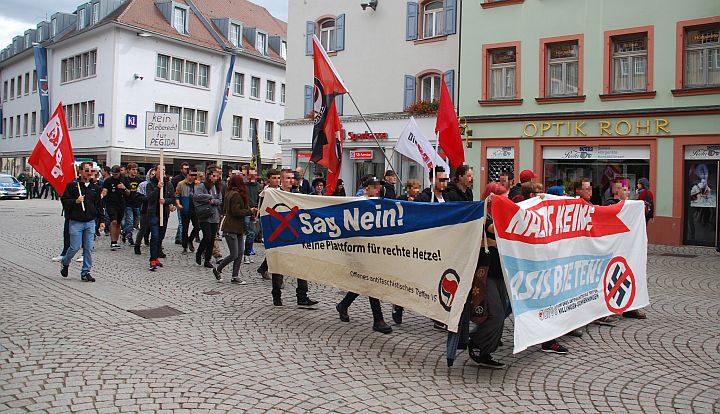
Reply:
x=702, y=164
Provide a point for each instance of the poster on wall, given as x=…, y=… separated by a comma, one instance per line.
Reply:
x=703, y=185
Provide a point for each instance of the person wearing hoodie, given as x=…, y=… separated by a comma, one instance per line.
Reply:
x=157, y=206
x=460, y=188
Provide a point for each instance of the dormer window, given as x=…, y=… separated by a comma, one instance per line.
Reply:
x=235, y=35
x=180, y=19
x=261, y=43
x=39, y=35
x=283, y=50
x=81, y=19
x=53, y=27
x=95, y=13
x=27, y=40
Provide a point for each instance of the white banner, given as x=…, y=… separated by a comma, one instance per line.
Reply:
x=421, y=256
x=567, y=263
x=162, y=130
x=413, y=144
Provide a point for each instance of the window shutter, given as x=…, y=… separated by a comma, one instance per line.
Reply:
x=340, y=32
x=450, y=82
x=309, y=33
x=411, y=28
x=450, y=16
x=409, y=91
x=308, y=100
x=339, y=104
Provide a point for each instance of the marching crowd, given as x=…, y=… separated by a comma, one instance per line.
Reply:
x=135, y=209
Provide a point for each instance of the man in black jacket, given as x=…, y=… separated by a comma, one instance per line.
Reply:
x=155, y=207
x=81, y=201
x=439, y=180
x=388, y=190
x=460, y=188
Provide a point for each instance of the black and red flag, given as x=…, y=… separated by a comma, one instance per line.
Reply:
x=327, y=133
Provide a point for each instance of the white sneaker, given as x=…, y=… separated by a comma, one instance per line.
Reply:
x=57, y=258
x=79, y=259
x=246, y=260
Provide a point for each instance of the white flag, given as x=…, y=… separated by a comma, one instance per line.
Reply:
x=413, y=144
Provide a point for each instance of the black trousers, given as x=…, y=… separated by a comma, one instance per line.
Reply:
x=277, y=280
x=144, y=230
x=186, y=220
x=374, y=305
x=209, y=231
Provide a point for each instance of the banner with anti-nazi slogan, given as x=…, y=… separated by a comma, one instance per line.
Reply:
x=567, y=263
x=418, y=255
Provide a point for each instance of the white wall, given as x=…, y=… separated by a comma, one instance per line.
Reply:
x=25, y=104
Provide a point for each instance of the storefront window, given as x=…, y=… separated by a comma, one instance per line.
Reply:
x=701, y=208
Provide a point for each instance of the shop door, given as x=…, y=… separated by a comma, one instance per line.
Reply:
x=701, y=202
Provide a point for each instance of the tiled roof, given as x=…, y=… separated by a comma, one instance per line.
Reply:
x=250, y=14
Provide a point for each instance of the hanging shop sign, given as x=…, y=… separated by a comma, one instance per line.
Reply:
x=597, y=153
x=702, y=152
x=622, y=127
x=303, y=156
x=361, y=155
x=500, y=153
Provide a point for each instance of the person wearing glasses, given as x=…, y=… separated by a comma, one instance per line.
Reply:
x=81, y=201
x=439, y=180
x=184, y=193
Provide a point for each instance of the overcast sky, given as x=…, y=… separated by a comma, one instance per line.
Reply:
x=16, y=16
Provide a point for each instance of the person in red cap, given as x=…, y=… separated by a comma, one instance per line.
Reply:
x=525, y=176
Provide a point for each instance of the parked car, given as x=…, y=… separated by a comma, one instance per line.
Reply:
x=11, y=187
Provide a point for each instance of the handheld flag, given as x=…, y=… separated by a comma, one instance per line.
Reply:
x=414, y=145
x=327, y=132
x=53, y=155
x=448, y=129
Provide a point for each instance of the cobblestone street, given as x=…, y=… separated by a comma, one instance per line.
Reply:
x=68, y=346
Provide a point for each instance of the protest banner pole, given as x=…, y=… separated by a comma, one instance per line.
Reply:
x=78, y=185
x=376, y=140
x=161, y=175
x=432, y=189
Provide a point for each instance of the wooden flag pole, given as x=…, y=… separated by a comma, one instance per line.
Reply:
x=161, y=179
x=79, y=191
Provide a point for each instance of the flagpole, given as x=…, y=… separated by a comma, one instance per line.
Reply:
x=375, y=138
x=161, y=175
x=432, y=189
x=78, y=185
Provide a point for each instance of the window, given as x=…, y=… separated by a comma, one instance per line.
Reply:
x=5, y=90
x=162, y=66
x=270, y=91
x=19, y=86
x=12, y=88
x=93, y=62
x=68, y=115
x=261, y=43
x=201, y=122
x=562, y=69
x=629, y=64
x=79, y=66
x=81, y=19
x=204, y=76
x=17, y=126
x=327, y=34
x=83, y=113
x=91, y=113
x=76, y=115
x=283, y=49
x=176, y=70
x=39, y=34
x=254, y=87
x=269, y=131
x=190, y=72
x=34, y=81
x=188, y=119
x=502, y=73
x=53, y=27
x=433, y=19
x=95, y=13
x=25, y=124
x=27, y=83
x=702, y=57
x=175, y=110
x=253, y=129
x=180, y=19
x=9, y=131
x=237, y=127
x=161, y=108
x=239, y=84
x=4, y=127
x=33, y=123
x=235, y=35
x=27, y=40
x=282, y=93
x=430, y=87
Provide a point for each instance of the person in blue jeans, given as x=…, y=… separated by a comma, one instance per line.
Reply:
x=132, y=205
x=155, y=207
x=81, y=201
x=253, y=191
x=184, y=169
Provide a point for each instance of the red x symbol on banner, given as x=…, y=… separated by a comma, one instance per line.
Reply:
x=284, y=222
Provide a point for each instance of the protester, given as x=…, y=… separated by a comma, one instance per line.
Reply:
x=157, y=206
x=273, y=179
x=460, y=188
x=132, y=206
x=339, y=188
x=144, y=230
x=253, y=192
x=236, y=207
x=303, y=185
x=114, y=191
x=184, y=193
x=644, y=194
x=557, y=190
x=207, y=201
x=506, y=178
x=526, y=176
x=373, y=188
x=388, y=189
x=318, y=186
x=81, y=202
x=412, y=189
x=277, y=279
x=439, y=180
x=184, y=169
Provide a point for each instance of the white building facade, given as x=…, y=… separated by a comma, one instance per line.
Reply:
x=390, y=55
x=113, y=62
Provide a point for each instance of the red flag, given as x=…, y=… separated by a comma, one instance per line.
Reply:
x=327, y=132
x=53, y=155
x=448, y=129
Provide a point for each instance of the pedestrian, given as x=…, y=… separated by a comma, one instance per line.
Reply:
x=373, y=189
x=207, y=201
x=132, y=206
x=81, y=202
x=526, y=176
x=45, y=189
x=647, y=196
x=184, y=193
x=236, y=207
x=184, y=170
x=277, y=279
x=412, y=189
x=253, y=193
x=157, y=206
x=388, y=189
x=460, y=188
x=114, y=191
x=273, y=181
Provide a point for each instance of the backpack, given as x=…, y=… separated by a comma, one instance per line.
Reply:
x=649, y=205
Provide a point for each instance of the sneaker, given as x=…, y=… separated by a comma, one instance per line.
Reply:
x=439, y=326
x=162, y=255
x=191, y=247
x=57, y=258
x=64, y=271
x=237, y=281
x=130, y=241
x=185, y=250
x=635, y=314
x=397, y=314
x=554, y=347
x=605, y=321
x=252, y=252
x=264, y=275
x=157, y=262
x=79, y=259
x=124, y=240
x=382, y=327
x=114, y=246
x=486, y=360
x=137, y=249
x=87, y=278
x=277, y=302
x=208, y=265
x=153, y=266
x=246, y=260
x=343, y=313
x=306, y=302
x=218, y=274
